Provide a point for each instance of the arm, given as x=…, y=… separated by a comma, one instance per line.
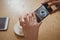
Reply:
x=30, y=27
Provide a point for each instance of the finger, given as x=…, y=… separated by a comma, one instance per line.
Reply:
x=50, y=1
x=51, y=5
x=34, y=16
x=26, y=19
x=21, y=22
x=30, y=18
x=55, y=11
x=47, y=2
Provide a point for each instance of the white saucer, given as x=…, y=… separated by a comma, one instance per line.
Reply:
x=18, y=29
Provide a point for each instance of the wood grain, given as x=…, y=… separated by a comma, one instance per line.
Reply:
x=49, y=30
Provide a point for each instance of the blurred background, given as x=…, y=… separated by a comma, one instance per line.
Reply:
x=49, y=30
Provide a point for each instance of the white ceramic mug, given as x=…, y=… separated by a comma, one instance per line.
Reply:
x=18, y=29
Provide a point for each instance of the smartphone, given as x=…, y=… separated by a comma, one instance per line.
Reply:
x=4, y=23
x=42, y=12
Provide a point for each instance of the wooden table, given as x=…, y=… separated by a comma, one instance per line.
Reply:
x=49, y=30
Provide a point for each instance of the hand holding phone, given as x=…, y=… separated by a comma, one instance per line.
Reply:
x=43, y=12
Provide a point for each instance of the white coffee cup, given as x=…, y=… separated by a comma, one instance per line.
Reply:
x=18, y=29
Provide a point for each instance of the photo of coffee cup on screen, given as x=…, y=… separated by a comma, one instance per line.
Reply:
x=42, y=12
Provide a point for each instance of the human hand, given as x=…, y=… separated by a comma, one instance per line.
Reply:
x=30, y=27
x=54, y=2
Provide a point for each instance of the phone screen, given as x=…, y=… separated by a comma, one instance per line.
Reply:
x=2, y=23
x=42, y=12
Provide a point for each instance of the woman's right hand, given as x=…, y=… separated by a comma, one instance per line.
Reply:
x=54, y=2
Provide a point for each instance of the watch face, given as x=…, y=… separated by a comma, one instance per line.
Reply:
x=41, y=12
